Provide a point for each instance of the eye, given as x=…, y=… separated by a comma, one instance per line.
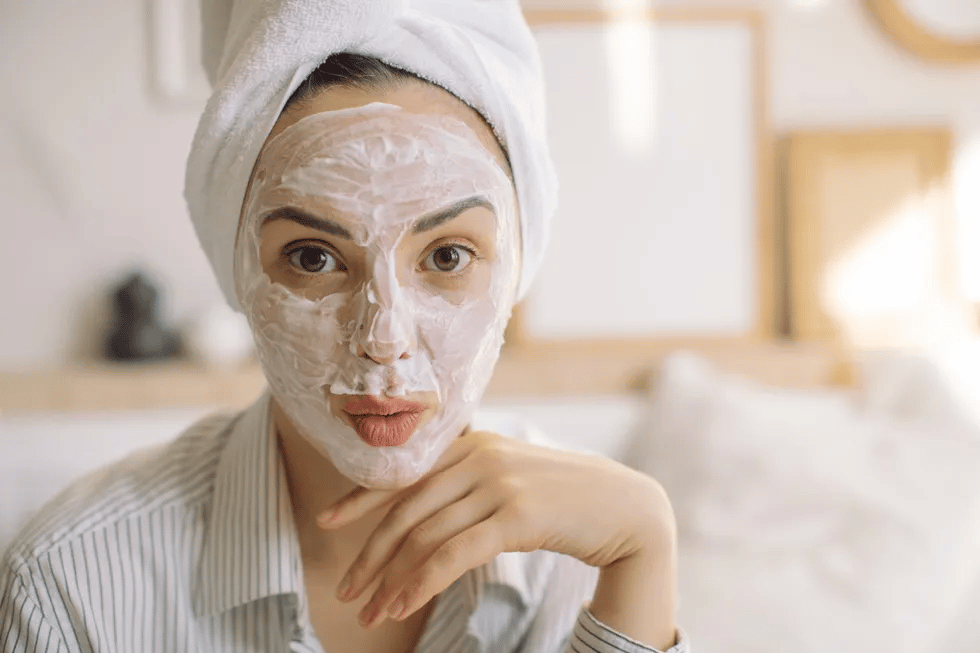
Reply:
x=312, y=259
x=448, y=258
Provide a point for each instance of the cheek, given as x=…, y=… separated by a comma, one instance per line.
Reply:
x=473, y=285
x=454, y=335
x=347, y=316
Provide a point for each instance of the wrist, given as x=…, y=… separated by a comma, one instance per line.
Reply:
x=636, y=593
x=636, y=596
x=652, y=525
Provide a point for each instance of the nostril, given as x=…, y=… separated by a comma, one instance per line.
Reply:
x=381, y=336
x=382, y=355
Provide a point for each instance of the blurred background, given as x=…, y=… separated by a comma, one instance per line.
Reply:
x=763, y=287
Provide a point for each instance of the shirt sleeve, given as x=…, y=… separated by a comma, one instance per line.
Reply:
x=592, y=636
x=23, y=626
x=562, y=622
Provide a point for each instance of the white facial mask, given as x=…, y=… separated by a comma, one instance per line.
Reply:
x=384, y=168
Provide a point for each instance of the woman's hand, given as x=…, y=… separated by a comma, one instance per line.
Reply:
x=489, y=494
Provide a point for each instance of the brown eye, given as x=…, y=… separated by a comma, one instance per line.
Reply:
x=313, y=259
x=449, y=258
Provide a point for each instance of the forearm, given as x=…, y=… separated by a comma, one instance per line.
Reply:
x=636, y=595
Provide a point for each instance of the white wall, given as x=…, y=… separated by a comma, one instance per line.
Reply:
x=91, y=166
x=91, y=175
x=642, y=167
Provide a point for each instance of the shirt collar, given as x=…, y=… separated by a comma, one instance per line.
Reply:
x=250, y=549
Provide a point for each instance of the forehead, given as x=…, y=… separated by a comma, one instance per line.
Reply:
x=414, y=97
x=364, y=141
x=380, y=165
x=337, y=124
x=377, y=159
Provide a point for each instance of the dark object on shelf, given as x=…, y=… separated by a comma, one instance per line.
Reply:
x=137, y=333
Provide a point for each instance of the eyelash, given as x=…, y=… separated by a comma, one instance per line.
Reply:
x=463, y=246
x=294, y=247
x=298, y=246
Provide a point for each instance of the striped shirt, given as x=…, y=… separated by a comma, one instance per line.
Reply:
x=191, y=547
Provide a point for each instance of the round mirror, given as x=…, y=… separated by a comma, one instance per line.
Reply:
x=940, y=30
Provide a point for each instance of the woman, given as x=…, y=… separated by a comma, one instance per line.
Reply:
x=361, y=505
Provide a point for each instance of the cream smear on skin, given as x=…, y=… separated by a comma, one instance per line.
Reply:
x=384, y=168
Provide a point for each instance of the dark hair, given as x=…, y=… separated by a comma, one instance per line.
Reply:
x=360, y=71
x=352, y=71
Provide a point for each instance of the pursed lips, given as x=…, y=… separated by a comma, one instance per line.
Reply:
x=384, y=421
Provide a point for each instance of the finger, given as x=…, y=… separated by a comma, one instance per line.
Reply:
x=411, y=509
x=469, y=549
x=415, y=529
x=363, y=500
x=454, y=454
x=355, y=505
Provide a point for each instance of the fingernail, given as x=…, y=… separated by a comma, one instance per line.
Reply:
x=367, y=616
x=396, y=607
x=344, y=587
x=324, y=518
x=375, y=617
x=379, y=618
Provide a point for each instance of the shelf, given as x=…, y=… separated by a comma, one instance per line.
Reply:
x=136, y=386
x=538, y=370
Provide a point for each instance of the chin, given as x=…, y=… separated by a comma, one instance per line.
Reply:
x=390, y=483
x=393, y=468
x=390, y=479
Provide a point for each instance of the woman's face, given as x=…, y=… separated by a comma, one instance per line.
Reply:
x=377, y=262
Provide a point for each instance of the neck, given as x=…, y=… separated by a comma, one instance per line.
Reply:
x=314, y=485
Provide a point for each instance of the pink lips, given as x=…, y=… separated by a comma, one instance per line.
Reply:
x=384, y=421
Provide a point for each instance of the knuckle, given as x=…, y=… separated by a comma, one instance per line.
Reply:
x=510, y=488
x=416, y=589
x=450, y=553
x=418, y=540
x=520, y=512
x=492, y=458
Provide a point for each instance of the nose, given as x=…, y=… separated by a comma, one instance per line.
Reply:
x=383, y=336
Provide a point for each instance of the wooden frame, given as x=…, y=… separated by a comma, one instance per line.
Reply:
x=918, y=40
x=806, y=157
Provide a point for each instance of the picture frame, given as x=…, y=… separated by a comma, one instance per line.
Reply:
x=751, y=316
x=913, y=34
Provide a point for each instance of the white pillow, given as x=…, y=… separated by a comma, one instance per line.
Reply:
x=806, y=523
x=942, y=384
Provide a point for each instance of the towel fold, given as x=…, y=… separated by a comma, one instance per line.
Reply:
x=257, y=52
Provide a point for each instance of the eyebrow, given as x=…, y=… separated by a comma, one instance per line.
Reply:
x=307, y=220
x=433, y=220
x=427, y=223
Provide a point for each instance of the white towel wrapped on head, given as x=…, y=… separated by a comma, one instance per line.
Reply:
x=257, y=52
